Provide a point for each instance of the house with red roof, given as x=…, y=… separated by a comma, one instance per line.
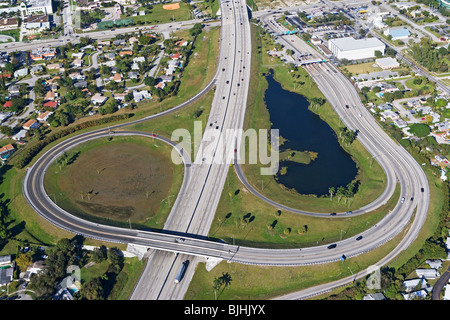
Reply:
x=8, y=104
x=50, y=104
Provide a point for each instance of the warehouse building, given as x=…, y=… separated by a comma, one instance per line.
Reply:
x=352, y=49
x=400, y=33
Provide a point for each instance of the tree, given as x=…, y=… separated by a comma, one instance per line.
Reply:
x=420, y=130
x=331, y=190
x=99, y=254
x=93, y=290
x=7, y=131
x=23, y=261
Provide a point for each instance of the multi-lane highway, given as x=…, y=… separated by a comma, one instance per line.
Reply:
x=194, y=208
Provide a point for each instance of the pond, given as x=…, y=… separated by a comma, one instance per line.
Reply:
x=303, y=130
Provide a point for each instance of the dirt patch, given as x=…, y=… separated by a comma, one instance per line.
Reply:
x=172, y=6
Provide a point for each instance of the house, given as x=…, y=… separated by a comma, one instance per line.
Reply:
x=58, y=65
x=120, y=96
x=6, y=275
x=8, y=104
x=176, y=56
x=78, y=63
x=77, y=76
x=116, y=77
x=413, y=284
x=428, y=273
x=166, y=78
x=119, y=42
x=389, y=114
x=14, y=90
x=50, y=104
x=5, y=115
x=132, y=40
x=36, y=267
x=31, y=124
x=44, y=116
x=400, y=123
x=101, y=43
x=127, y=52
x=133, y=75
x=135, y=66
x=443, y=126
x=5, y=260
x=36, y=69
x=138, y=59
x=21, y=72
x=141, y=95
x=98, y=99
x=447, y=292
x=78, y=55
x=110, y=55
x=421, y=294
x=81, y=84
x=160, y=85
x=374, y=296
x=20, y=135
x=6, y=151
x=50, y=95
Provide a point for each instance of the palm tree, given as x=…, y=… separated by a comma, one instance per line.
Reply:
x=331, y=190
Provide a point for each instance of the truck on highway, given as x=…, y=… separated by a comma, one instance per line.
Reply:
x=181, y=271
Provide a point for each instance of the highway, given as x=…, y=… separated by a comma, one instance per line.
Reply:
x=194, y=208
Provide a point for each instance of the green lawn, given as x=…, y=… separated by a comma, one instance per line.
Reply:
x=161, y=15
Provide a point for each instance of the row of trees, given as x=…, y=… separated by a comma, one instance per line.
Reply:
x=346, y=193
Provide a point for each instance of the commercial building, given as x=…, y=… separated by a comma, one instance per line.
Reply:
x=352, y=49
x=9, y=23
x=399, y=33
x=36, y=24
x=43, y=53
x=31, y=7
x=387, y=63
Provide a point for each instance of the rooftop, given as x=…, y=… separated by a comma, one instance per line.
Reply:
x=349, y=43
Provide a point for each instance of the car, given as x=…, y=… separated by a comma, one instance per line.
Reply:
x=333, y=214
x=421, y=189
x=412, y=198
x=346, y=106
x=332, y=246
x=403, y=200
x=359, y=238
x=348, y=212
x=223, y=69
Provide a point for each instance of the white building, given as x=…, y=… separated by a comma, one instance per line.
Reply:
x=31, y=7
x=387, y=63
x=428, y=273
x=352, y=49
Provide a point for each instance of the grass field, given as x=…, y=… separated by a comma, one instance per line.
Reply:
x=101, y=182
x=161, y=15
